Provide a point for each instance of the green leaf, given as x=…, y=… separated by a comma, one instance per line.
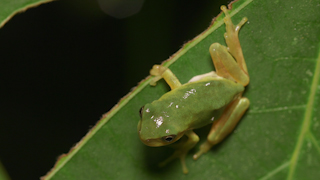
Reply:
x=278, y=138
x=9, y=8
x=3, y=173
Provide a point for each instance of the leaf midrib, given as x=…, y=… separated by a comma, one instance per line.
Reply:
x=306, y=120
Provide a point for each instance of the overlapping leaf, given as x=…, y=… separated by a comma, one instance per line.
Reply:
x=9, y=8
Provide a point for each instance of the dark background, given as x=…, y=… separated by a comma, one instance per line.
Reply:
x=65, y=63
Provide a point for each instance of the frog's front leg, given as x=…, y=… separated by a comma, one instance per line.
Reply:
x=163, y=72
x=229, y=61
x=181, y=150
x=224, y=125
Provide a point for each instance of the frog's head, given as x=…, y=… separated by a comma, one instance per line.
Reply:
x=156, y=128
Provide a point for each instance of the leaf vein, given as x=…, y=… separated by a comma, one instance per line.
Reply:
x=293, y=58
x=284, y=108
x=314, y=141
x=275, y=171
x=306, y=120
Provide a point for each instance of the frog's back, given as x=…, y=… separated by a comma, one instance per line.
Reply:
x=197, y=103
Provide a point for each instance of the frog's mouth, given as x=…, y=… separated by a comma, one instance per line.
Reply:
x=153, y=142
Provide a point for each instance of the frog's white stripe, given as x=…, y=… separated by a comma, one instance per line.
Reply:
x=210, y=74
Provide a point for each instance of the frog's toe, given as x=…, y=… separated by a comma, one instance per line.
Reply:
x=154, y=81
x=203, y=149
x=157, y=70
x=197, y=155
x=184, y=168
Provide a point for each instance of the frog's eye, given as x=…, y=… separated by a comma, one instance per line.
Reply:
x=140, y=111
x=168, y=138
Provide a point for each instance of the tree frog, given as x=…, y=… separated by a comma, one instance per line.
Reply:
x=214, y=97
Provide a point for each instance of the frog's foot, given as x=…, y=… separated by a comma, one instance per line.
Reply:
x=157, y=71
x=179, y=153
x=203, y=149
x=162, y=72
x=229, y=25
x=234, y=48
x=182, y=148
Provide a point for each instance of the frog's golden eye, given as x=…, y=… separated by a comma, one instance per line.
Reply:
x=168, y=138
x=140, y=111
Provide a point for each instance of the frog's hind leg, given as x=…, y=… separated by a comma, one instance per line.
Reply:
x=226, y=66
x=232, y=38
x=229, y=61
x=224, y=125
x=163, y=72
